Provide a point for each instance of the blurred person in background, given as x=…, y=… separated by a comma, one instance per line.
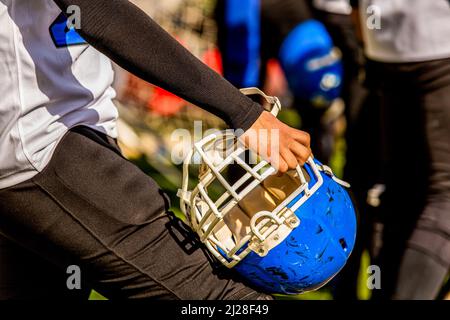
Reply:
x=407, y=44
x=68, y=197
x=253, y=32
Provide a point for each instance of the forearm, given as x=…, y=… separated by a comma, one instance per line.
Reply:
x=130, y=38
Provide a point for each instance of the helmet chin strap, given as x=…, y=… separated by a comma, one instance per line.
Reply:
x=328, y=171
x=274, y=102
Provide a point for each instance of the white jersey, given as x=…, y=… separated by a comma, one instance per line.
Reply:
x=406, y=30
x=50, y=81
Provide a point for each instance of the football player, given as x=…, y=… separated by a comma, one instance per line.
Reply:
x=408, y=48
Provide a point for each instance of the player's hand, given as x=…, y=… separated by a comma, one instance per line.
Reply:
x=284, y=147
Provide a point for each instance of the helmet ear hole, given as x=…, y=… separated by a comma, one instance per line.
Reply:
x=343, y=244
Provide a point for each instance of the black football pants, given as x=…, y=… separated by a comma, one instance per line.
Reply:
x=415, y=255
x=92, y=208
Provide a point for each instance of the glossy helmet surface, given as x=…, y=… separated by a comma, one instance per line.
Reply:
x=283, y=234
x=312, y=64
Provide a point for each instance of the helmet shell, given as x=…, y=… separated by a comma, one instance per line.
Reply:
x=314, y=252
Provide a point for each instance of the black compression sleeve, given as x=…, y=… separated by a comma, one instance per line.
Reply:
x=134, y=41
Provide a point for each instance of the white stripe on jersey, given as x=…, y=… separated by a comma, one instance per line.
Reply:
x=45, y=90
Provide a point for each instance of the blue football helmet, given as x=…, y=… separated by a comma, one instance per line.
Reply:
x=283, y=234
x=313, y=66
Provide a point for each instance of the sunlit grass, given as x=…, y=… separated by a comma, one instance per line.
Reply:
x=363, y=292
x=96, y=296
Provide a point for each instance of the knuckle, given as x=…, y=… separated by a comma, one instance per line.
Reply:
x=307, y=138
x=293, y=163
x=302, y=162
x=305, y=157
